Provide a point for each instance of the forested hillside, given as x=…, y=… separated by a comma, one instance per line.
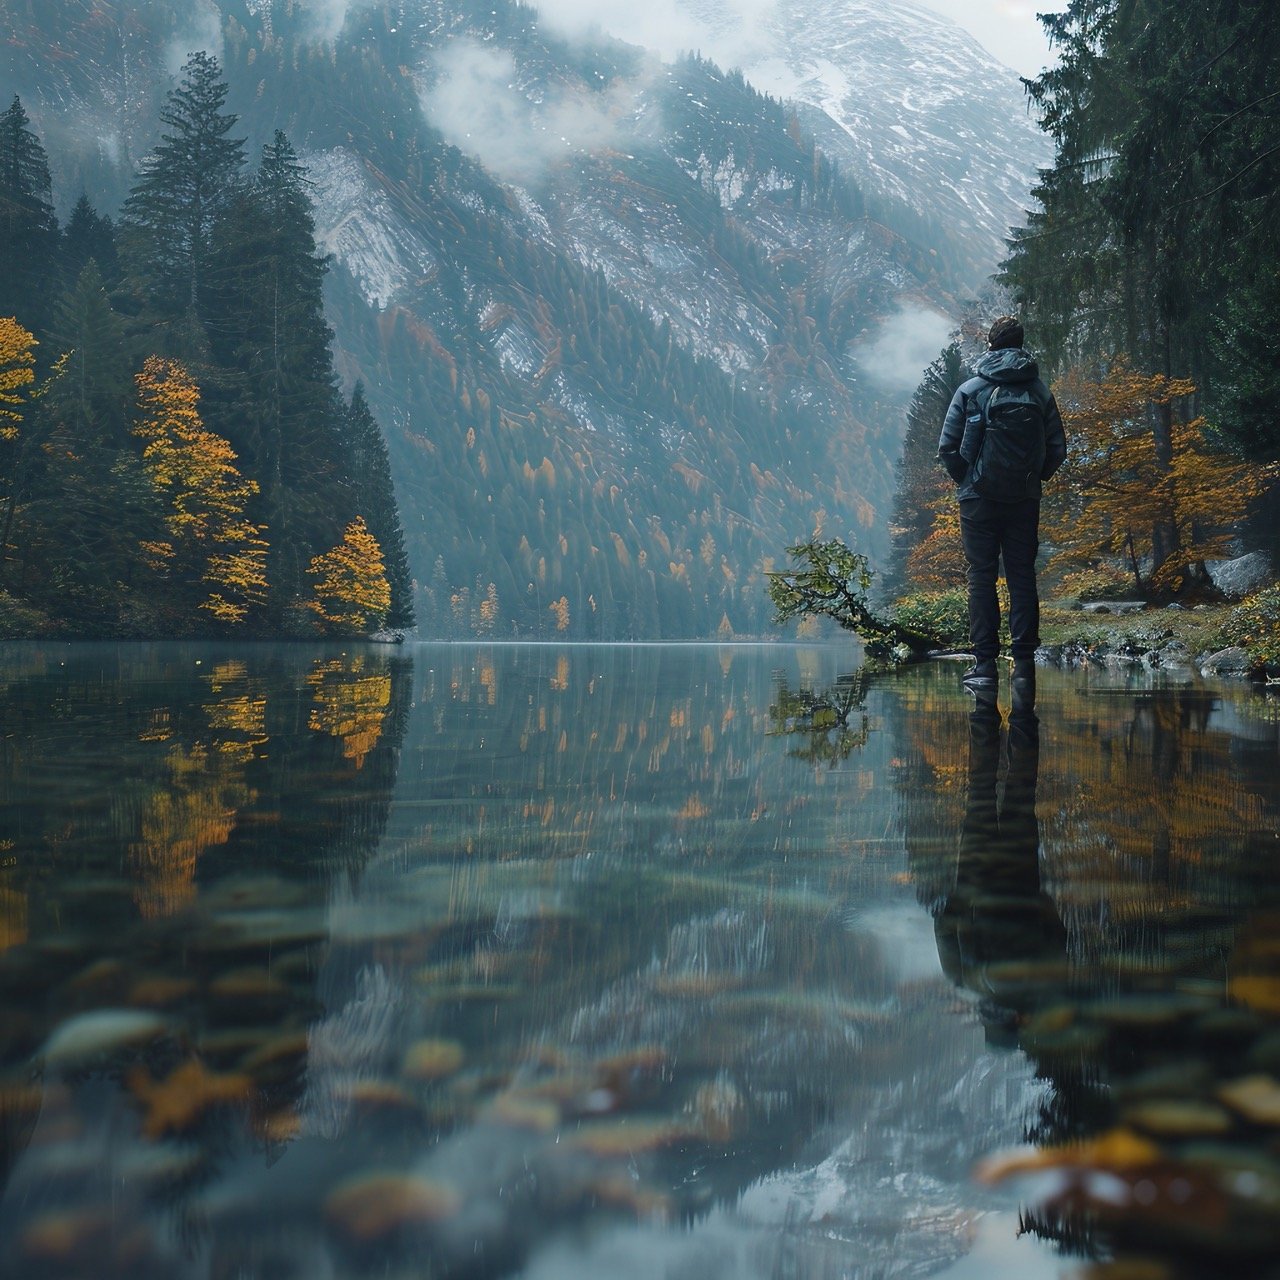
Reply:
x=1149, y=277
x=608, y=310
x=176, y=456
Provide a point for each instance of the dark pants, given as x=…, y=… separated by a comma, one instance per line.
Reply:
x=991, y=530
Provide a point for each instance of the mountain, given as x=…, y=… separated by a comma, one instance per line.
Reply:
x=908, y=101
x=613, y=313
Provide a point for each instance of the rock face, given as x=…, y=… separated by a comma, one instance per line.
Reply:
x=1241, y=576
x=909, y=101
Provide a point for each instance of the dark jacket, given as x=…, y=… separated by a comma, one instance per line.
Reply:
x=958, y=447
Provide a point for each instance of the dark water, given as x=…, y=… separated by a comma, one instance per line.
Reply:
x=641, y=962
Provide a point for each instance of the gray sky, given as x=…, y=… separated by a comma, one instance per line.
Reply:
x=1007, y=27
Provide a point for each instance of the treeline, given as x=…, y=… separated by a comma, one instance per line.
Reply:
x=175, y=455
x=1149, y=278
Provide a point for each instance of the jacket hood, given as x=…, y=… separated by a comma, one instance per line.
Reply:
x=1008, y=364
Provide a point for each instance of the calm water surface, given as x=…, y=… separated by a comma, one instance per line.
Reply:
x=656, y=962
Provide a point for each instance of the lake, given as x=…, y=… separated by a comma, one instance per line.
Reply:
x=631, y=961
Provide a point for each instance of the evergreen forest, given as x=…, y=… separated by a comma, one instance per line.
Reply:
x=178, y=458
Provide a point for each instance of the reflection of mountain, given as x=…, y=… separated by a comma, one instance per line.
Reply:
x=1149, y=1011
x=174, y=821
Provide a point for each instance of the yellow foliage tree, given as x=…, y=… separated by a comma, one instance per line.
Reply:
x=351, y=589
x=17, y=372
x=938, y=562
x=1121, y=496
x=210, y=538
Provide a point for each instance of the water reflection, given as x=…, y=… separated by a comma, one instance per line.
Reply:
x=1114, y=973
x=173, y=820
x=592, y=961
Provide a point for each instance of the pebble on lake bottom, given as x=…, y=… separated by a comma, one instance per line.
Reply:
x=1257, y=1098
x=179, y=1101
x=88, y=1036
x=373, y=1206
x=1179, y=1119
x=432, y=1060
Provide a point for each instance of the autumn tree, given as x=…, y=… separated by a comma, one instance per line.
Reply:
x=212, y=549
x=1120, y=499
x=923, y=488
x=351, y=592
x=17, y=379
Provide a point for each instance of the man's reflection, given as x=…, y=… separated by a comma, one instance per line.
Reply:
x=997, y=930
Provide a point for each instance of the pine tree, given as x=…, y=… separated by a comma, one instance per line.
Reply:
x=88, y=501
x=371, y=475
x=28, y=228
x=185, y=183
x=89, y=237
x=281, y=407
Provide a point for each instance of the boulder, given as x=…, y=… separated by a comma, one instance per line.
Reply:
x=1242, y=576
x=1233, y=661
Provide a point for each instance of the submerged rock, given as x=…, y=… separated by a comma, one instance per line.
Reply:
x=100, y=1034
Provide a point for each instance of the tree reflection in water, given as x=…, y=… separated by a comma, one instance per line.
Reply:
x=1136, y=983
x=635, y=949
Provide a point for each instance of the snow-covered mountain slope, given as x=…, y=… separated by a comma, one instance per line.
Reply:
x=907, y=99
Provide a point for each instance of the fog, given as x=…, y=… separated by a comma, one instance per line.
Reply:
x=731, y=31
x=202, y=30
x=477, y=103
x=905, y=344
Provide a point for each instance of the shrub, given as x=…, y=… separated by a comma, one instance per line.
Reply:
x=1255, y=624
x=941, y=613
x=1099, y=582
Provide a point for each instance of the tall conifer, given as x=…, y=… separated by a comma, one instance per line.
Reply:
x=28, y=228
x=375, y=499
x=268, y=329
x=185, y=184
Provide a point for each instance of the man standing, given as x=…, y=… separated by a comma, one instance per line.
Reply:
x=1002, y=436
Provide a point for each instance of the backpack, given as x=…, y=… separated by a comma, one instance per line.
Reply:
x=1011, y=455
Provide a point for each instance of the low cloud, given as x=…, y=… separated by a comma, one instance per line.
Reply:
x=201, y=32
x=479, y=106
x=733, y=32
x=908, y=341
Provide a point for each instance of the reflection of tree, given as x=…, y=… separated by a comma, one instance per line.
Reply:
x=822, y=720
x=1152, y=835
x=351, y=700
x=230, y=817
x=193, y=807
x=237, y=712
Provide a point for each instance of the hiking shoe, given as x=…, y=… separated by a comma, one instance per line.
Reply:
x=982, y=675
x=1024, y=668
